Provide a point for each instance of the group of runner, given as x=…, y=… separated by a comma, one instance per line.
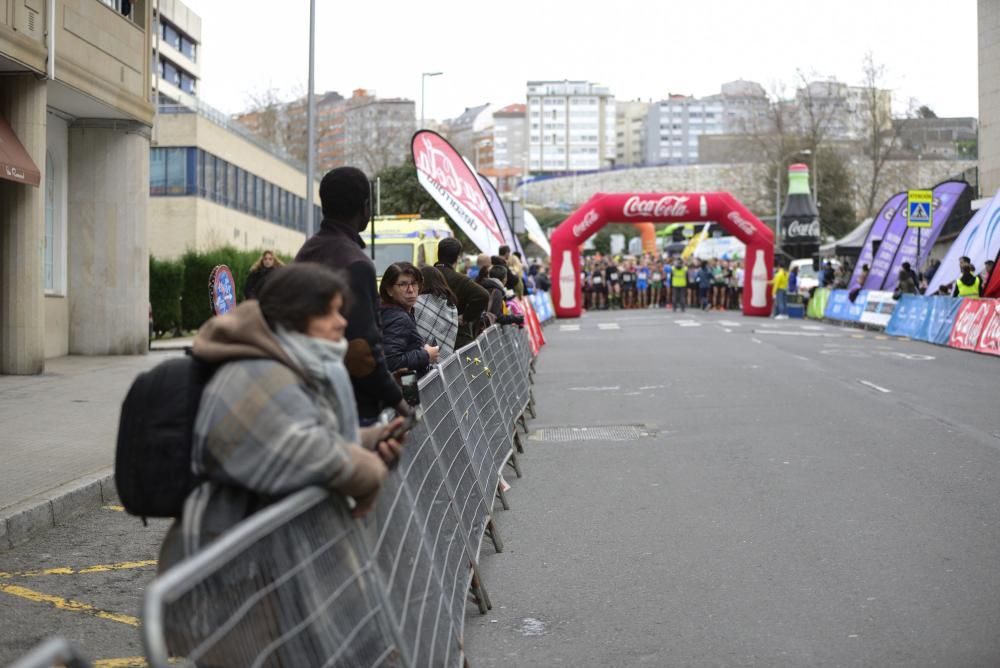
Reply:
x=657, y=282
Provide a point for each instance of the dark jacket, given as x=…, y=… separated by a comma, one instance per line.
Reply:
x=255, y=281
x=340, y=247
x=704, y=277
x=472, y=301
x=404, y=347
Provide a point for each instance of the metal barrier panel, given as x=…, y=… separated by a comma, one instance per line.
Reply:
x=496, y=434
x=504, y=375
x=52, y=652
x=493, y=357
x=519, y=370
x=289, y=586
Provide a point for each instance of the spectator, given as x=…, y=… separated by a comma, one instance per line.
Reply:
x=862, y=278
x=495, y=283
x=345, y=196
x=793, y=281
x=968, y=285
x=513, y=262
x=481, y=268
x=780, y=291
x=404, y=347
x=932, y=268
x=987, y=272
x=907, y=282
x=259, y=271
x=471, y=297
x=542, y=281
x=437, y=312
x=279, y=415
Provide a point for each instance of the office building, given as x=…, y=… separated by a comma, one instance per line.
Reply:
x=630, y=132
x=75, y=123
x=571, y=126
x=468, y=129
x=841, y=112
x=509, y=147
x=176, y=49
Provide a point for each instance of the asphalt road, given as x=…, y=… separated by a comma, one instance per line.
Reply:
x=805, y=495
x=794, y=494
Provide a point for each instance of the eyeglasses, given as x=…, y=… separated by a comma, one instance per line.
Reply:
x=406, y=285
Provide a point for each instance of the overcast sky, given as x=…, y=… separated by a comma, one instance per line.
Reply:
x=638, y=48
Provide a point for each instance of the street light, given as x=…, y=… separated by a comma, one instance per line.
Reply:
x=777, y=189
x=423, y=78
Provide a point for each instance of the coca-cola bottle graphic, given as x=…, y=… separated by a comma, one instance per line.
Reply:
x=800, y=219
x=758, y=281
x=567, y=282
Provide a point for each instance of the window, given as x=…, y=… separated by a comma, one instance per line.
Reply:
x=50, y=223
x=157, y=171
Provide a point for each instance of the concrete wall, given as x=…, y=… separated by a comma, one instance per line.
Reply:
x=178, y=224
x=22, y=233
x=989, y=97
x=56, y=303
x=108, y=247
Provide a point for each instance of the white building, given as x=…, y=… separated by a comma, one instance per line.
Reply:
x=839, y=111
x=630, y=132
x=177, y=44
x=571, y=126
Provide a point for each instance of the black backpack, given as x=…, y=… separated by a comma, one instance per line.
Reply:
x=155, y=433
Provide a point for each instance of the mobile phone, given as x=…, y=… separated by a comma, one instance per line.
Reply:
x=411, y=393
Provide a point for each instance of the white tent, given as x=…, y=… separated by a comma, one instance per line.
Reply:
x=850, y=243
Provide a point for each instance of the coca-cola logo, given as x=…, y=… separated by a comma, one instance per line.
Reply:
x=889, y=213
x=440, y=167
x=741, y=222
x=667, y=206
x=969, y=325
x=588, y=220
x=801, y=229
x=989, y=342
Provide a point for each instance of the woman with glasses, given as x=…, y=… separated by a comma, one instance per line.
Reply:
x=404, y=347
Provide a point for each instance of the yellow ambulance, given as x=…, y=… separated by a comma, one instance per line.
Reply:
x=407, y=238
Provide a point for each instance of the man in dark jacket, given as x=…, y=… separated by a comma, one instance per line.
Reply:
x=472, y=298
x=345, y=195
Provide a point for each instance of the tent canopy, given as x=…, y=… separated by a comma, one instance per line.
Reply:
x=850, y=244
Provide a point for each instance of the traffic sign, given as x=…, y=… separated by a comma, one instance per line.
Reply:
x=919, y=208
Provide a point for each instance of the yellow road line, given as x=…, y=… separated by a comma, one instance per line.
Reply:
x=99, y=568
x=117, y=509
x=67, y=604
x=125, y=662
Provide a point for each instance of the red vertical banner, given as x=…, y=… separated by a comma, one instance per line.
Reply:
x=969, y=323
x=533, y=326
x=989, y=340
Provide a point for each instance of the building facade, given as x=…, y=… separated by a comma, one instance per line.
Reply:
x=177, y=51
x=571, y=126
x=630, y=132
x=74, y=271
x=377, y=132
x=211, y=186
x=989, y=97
x=841, y=112
x=468, y=129
x=944, y=138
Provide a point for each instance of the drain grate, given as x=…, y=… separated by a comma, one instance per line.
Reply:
x=610, y=432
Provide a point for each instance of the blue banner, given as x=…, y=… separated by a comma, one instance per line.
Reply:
x=909, y=317
x=840, y=306
x=942, y=316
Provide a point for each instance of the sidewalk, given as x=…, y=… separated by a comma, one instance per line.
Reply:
x=57, y=443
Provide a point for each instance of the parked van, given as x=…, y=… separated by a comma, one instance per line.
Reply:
x=405, y=239
x=808, y=277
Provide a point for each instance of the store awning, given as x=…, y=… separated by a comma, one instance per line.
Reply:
x=15, y=163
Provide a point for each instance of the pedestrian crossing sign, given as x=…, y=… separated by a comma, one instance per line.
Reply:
x=919, y=208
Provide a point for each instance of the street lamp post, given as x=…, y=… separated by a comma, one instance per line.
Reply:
x=423, y=79
x=777, y=191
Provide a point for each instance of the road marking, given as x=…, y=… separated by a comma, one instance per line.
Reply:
x=608, y=325
x=857, y=336
x=785, y=332
x=569, y=328
x=608, y=388
x=117, y=509
x=802, y=357
x=874, y=386
x=689, y=323
x=99, y=568
x=729, y=323
x=756, y=340
x=125, y=662
x=727, y=330
x=814, y=328
x=881, y=337
x=652, y=387
x=67, y=604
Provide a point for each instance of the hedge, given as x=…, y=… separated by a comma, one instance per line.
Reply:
x=178, y=289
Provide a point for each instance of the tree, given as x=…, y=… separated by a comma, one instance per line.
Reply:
x=833, y=189
x=926, y=112
x=879, y=134
x=275, y=120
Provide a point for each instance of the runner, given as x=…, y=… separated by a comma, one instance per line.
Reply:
x=614, y=289
x=642, y=284
x=655, y=285
x=628, y=285
x=718, y=285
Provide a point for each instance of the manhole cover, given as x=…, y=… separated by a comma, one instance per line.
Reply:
x=611, y=432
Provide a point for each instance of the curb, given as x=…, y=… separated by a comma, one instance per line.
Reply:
x=22, y=521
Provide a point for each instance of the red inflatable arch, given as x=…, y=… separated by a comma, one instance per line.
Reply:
x=720, y=208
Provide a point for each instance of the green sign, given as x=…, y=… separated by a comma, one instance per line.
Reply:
x=919, y=208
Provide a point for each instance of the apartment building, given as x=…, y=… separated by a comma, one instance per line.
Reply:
x=841, y=112
x=377, y=132
x=467, y=132
x=630, y=132
x=75, y=119
x=571, y=126
x=176, y=50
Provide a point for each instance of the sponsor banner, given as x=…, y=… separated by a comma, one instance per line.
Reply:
x=801, y=231
x=878, y=308
x=937, y=327
x=944, y=198
x=446, y=176
x=500, y=213
x=876, y=231
x=992, y=288
x=535, y=233
x=840, y=306
x=817, y=303
x=970, y=322
x=979, y=240
x=882, y=260
x=909, y=316
x=221, y=290
x=989, y=340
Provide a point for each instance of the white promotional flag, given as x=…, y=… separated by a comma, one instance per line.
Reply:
x=979, y=240
x=446, y=176
x=535, y=232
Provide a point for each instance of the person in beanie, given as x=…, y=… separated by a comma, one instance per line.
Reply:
x=346, y=198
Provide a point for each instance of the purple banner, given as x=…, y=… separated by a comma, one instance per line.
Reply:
x=945, y=197
x=496, y=204
x=887, y=249
x=876, y=231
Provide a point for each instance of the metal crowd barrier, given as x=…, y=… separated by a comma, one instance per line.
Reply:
x=52, y=652
x=301, y=583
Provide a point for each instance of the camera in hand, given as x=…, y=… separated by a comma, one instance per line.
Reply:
x=411, y=393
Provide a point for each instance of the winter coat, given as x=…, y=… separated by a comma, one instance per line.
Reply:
x=255, y=281
x=705, y=277
x=404, y=347
x=263, y=430
x=472, y=300
x=338, y=246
